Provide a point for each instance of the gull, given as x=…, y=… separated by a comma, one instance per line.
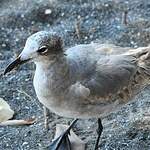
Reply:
x=84, y=81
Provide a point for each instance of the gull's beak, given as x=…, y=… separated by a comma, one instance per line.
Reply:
x=15, y=64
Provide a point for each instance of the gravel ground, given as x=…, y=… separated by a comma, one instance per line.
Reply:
x=77, y=21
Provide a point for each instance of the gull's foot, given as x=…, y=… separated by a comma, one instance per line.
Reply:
x=62, y=142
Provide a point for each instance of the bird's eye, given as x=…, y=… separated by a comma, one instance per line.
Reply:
x=42, y=50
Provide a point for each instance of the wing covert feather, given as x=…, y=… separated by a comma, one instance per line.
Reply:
x=112, y=74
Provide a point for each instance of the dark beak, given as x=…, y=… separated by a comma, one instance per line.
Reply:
x=14, y=64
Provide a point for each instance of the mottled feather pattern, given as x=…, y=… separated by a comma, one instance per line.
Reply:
x=90, y=80
x=115, y=78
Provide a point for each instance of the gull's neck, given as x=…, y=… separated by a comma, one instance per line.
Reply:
x=57, y=64
x=52, y=75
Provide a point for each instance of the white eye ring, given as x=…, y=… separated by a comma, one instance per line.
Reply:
x=42, y=50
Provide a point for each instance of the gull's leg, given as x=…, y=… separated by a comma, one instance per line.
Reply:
x=99, y=132
x=45, y=117
x=63, y=142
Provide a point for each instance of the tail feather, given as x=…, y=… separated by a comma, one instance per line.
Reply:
x=144, y=60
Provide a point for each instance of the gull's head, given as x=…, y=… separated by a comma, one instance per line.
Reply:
x=39, y=47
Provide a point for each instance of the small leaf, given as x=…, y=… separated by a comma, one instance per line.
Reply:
x=5, y=111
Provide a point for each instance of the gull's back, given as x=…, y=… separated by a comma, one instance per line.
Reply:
x=104, y=69
x=105, y=77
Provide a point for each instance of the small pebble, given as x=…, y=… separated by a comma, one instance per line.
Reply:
x=48, y=11
x=3, y=45
x=24, y=143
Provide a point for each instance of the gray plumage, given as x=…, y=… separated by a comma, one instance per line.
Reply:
x=87, y=80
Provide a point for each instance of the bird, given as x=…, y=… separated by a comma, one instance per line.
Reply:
x=83, y=81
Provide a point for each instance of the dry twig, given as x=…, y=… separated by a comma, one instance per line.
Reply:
x=18, y=122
